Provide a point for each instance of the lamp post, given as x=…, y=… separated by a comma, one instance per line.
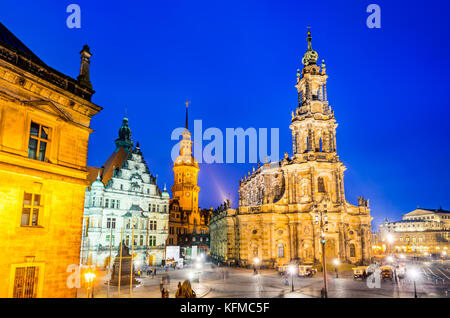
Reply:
x=89, y=277
x=336, y=263
x=292, y=272
x=414, y=275
x=255, y=262
x=390, y=240
x=321, y=220
x=198, y=266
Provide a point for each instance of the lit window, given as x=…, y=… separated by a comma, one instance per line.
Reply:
x=31, y=209
x=38, y=141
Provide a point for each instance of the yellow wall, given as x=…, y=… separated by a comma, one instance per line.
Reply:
x=61, y=179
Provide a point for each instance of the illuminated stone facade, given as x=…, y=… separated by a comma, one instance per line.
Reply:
x=279, y=201
x=188, y=224
x=124, y=200
x=422, y=231
x=44, y=133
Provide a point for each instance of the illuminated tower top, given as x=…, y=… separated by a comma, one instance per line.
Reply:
x=186, y=170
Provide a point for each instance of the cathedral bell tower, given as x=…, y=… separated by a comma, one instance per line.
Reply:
x=313, y=126
x=313, y=123
x=186, y=170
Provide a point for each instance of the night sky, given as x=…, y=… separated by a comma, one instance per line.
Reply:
x=237, y=62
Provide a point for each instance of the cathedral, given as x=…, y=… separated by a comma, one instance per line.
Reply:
x=188, y=223
x=124, y=201
x=289, y=209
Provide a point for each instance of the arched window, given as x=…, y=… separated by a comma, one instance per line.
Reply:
x=280, y=250
x=320, y=144
x=352, y=250
x=320, y=185
x=307, y=143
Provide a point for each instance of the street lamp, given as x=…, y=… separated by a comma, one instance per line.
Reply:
x=255, y=262
x=414, y=274
x=390, y=240
x=390, y=259
x=89, y=277
x=321, y=220
x=336, y=264
x=292, y=272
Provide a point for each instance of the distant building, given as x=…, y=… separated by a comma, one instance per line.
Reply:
x=281, y=204
x=422, y=231
x=44, y=134
x=124, y=200
x=188, y=225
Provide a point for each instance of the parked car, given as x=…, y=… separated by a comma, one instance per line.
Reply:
x=306, y=271
x=401, y=271
x=360, y=272
x=387, y=272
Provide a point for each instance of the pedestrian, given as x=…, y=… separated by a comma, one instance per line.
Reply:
x=161, y=285
x=154, y=272
x=163, y=293
x=286, y=280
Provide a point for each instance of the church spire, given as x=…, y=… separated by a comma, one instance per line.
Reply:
x=311, y=56
x=124, y=139
x=187, y=105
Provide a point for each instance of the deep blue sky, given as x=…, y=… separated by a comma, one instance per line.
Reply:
x=237, y=60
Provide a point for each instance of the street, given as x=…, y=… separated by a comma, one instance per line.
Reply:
x=433, y=280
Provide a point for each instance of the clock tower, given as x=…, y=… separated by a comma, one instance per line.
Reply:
x=186, y=169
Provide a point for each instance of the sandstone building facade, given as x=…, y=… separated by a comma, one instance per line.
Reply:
x=420, y=232
x=44, y=133
x=281, y=203
x=123, y=200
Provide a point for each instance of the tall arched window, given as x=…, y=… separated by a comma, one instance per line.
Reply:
x=307, y=143
x=320, y=144
x=280, y=250
x=352, y=250
x=320, y=185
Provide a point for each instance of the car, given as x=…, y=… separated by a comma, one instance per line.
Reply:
x=401, y=271
x=387, y=272
x=360, y=272
x=306, y=270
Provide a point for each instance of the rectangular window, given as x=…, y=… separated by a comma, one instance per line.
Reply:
x=118, y=204
x=31, y=209
x=113, y=204
x=108, y=223
x=135, y=240
x=38, y=141
x=26, y=282
x=152, y=240
x=153, y=208
x=113, y=223
x=141, y=240
x=106, y=203
x=127, y=240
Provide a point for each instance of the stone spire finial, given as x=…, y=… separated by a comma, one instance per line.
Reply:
x=83, y=78
x=323, y=67
x=187, y=105
x=310, y=56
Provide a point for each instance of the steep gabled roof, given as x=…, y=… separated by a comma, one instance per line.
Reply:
x=115, y=161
